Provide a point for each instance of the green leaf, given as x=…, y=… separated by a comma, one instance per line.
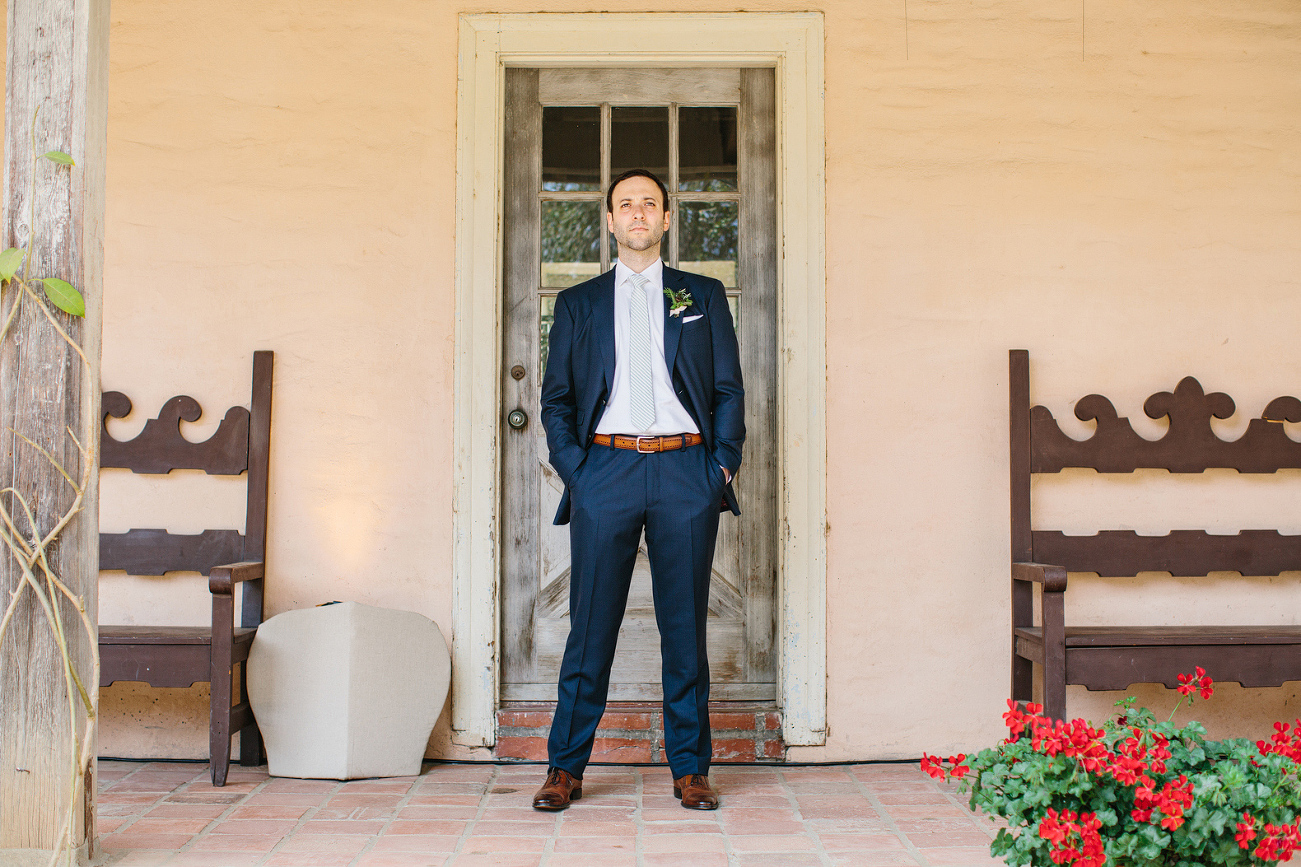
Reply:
x=64, y=296
x=10, y=261
x=59, y=157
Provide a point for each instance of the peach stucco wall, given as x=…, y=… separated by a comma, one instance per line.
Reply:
x=1120, y=198
x=1117, y=193
x=281, y=177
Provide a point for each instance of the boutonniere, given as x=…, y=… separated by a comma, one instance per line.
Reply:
x=678, y=301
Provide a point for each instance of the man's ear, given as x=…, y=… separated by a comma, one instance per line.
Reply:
x=609, y=222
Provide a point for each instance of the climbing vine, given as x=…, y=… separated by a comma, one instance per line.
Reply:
x=26, y=540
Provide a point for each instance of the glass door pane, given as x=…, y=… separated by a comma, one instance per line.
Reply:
x=639, y=139
x=571, y=148
x=707, y=149
x=571, y=242
x=707, y=239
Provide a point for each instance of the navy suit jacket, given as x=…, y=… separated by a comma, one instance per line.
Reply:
x=701, y=356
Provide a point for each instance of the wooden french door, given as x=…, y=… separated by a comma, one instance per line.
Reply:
x=709, y=134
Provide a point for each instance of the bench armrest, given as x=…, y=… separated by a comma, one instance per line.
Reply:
x=1053, y=578
x=222, y=579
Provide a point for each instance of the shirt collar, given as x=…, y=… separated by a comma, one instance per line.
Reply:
x=654, y=272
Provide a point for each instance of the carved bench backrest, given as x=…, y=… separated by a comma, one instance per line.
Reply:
x=1190, y=445
x=241, y=444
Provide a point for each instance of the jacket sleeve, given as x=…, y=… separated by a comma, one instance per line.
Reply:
x=559, y=396
x=729, y=391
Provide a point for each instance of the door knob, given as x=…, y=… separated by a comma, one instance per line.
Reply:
x=517, y=419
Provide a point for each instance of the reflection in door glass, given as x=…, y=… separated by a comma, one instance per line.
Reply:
x=571, y=242
x=571, y=148
x=639, y=139
x=707, y=149
x=707, y=239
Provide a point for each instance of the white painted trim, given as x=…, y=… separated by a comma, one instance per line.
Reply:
x=792, y=42
x=477, y=392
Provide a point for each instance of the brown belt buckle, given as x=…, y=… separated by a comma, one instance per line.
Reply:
x=642, y=451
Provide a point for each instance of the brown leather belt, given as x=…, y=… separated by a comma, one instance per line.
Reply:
x=648, y=445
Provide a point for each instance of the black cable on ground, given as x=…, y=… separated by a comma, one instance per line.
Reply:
x=508, y=762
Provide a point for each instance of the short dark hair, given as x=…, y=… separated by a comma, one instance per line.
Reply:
x=636, y=173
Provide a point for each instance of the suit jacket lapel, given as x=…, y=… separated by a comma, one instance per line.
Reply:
x=603, y=322
x=672, y=324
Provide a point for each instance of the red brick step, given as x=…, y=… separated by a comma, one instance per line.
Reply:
x=633, y=733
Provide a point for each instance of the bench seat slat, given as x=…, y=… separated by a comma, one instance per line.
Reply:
x=164, y=635
x=1114, y=658
x=163, y=656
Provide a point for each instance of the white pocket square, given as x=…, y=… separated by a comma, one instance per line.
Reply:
x=686, y=319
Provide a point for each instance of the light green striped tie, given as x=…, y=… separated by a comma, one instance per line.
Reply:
x=641, y=389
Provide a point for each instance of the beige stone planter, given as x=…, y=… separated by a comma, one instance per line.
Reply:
x=348, y=690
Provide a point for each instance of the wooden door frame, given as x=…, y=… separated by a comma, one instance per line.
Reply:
x=790, y=42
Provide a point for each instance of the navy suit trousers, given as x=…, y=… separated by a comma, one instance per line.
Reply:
x=675, y=496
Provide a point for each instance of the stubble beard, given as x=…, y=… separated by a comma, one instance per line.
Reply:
x=639, y=244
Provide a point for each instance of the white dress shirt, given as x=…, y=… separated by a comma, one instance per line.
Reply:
x=670, y=416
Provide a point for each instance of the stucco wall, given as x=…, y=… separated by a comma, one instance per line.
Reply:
x=280, y=178
x=1117, y=194
x=1114, y=198
x=1115, y=204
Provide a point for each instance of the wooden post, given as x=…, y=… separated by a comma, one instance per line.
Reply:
x=57, y=62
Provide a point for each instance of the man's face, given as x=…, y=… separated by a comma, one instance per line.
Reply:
x=638, y=220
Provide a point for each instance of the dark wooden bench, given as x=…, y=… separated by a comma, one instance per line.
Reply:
x=181, y=656
x=1113, y=657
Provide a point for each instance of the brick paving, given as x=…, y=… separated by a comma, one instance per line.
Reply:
x=866, y=815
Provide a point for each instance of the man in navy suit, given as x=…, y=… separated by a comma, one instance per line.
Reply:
x=643, y=406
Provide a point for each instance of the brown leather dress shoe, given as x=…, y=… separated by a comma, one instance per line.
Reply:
x=559, y=789
x=695, y=792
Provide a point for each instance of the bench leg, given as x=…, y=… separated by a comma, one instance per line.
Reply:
x=1054, y=667
x=250, y=738
x=221, y=667
x=219, y=733
x=1022, y=679
x=250, y=745
x=1022, y=688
